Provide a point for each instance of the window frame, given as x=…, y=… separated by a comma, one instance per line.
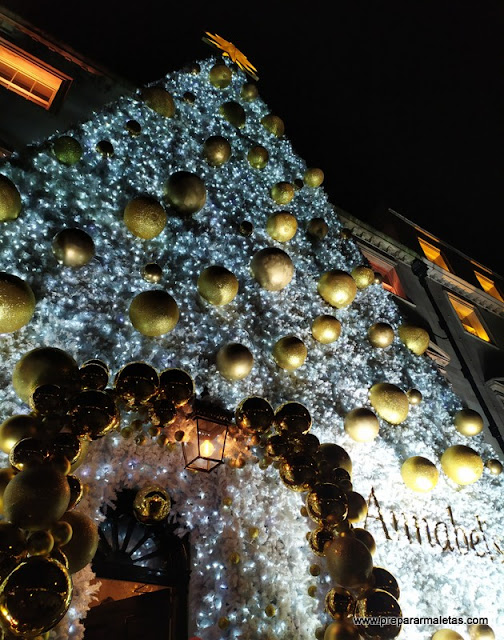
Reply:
x=482, y=278
x=442, y=258
x=457, y=300
x=384, y=266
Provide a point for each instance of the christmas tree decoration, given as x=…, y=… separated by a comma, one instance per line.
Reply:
x=313, y=177
x=186, y=193
x=341, y=631
x=317, y=228
x=17, y=303
x=468, y=422
x=362, y=425
x=159, y=100
x=254, y=415
x=17, y=427
x=389, y=402
x=62, y=533
x=419, y=474
x=494, y=466
x=289, y=353
x=363, y=276
x=333, y=456
x=105, y=149
x=220, y=76
x=339, y=603
x=381, y=335
x=274, y=124
x=337, y=288
x=152, y=273
x=151, y=505
x=357, y=507
x=383, y=579
x=258, y=157
x=349, y=562
x=154, y=313
x=73, y=247
x=67, y=150
x=136, y=384
x=176, y=386
x=481, y=632
x=39, y=543
x=446, y=634
x=134, y=128
x=234, y=361
x=28, y=453
x=282, y=192
x=234, y=113
x=81, y=548
x=462, y=464
x=272, y=268
x=233, y=53
x=217, y=285
x=249, y=92
x=378, y=278
x=415, y=338
x=378, y=602
x=364, y=536
x=281, y=226
x=6, y=476
x=144, y=217
x=216, y=151
x=10, y=200
x=414, y=396
x=92, y=414
x=326, y=329
x=246, y=228
x=327, y=504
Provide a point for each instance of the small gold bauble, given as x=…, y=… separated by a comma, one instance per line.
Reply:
x=446, y=634
x=297, y=184
x=154, y=313
x=326, y=329
x=152, y=273
x=349, y=562
x=273, y=124
x=357, y=507
x=61, y=532
x=384, y=580
x=73, y=247
x=10, y=200
x=39, y=543
x=468, y=422
x=282, y=192
x=415, y=338
x=81, y=548
x=290, y=353
x=151, y=505
x=136, y=384
x=249, y=92
x=17, y=303
x=346, y=234
x=185, y=192
x=67, y=150
x=389, y=402
x=134, y=128
x=380, y=335
x=258, y=157
x=337, y=288
x=281, y=226
x=220, y=76
x=313, y=177
x=159, y=100
x=105, y=149
x=270, y=611
x=217, y=285
x=494, y=466
x=317, y=228
x=144, y=217
x=378, y=278
x=29, y=453
x=481, y=632
x=272, y=268
x=361, y=425
x=462, y=464
x=17, y=428
x=189, y=97
x=341, y=631
x=364, y=536
x=246, y=228
x=234, y=361
x=339, y=603
x=292, y=419
x=363, y=276
x=234, y=113
x=192, y=69
x=223, y=623
x=216, y=151
x=414, y=396
x=419, y=474
x=235, y=558
x=315, y=569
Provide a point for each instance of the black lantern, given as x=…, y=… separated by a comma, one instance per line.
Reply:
x=205, y=441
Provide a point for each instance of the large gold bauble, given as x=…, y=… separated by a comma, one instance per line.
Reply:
x=319, y=539
x=414, y=396
x=317, y=228
x=335, y=456
x=389, y=402
x=326, y=329
x=67, y=150
x=272, y=268
x=154, y=313
x=362, y=425
x=36, y=498
x=73, y=247
x=289, y=353
x=494, y=466
x=462, y=464
x=216, y=151
x=292, y=419
x=6, y=476
x=16, y=428
x=136, y=383
x=341, y=631
x=363, y=276
x=254, y=414
x=177, y=386
x=234, y=113
x=234, y=361
x=313, y=177
x=446, y=634
x=220, y=76
x=34, y=597
x=17, y=303
x=383, y=579
x=27, y=453
x=481, y=632
x=249, y=92
x=93, y=414
x=298, y=472
x=357, y=507
x=144, y=217
x=71, y=447
x=273, y=124
x=419, y=474
x=382, y=605
x=339, y=603
x=185, y=192
x=349, y=562
x=217, y=285
x=468, y=422
x=282, y=192
x=44, y=365
x=151, y=505
x=327, y=504
x=380, y=335
x=159, y=100
x=337, y=288
x=415, y=338
x=10, y=200
x=364, y=536
x=84, y=542
x=258, y=157
x=281, y=226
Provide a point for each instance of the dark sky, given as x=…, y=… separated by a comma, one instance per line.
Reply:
x=401, y=103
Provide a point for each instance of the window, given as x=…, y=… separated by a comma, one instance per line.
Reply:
x=30, y=77
x=433, y=253
x=468, y=316
x=387, y=270
x=488, y=286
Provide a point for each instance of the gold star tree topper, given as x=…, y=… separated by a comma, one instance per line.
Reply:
x=230, y=51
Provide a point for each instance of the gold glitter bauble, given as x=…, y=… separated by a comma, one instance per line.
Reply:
x=462, y=464
x=185, y=192
x=67, y=150
x=217, y=285
x=414, y=396
x=258, y=157
x=313, y=177
x=159, y=100
x=281, y=226
x=415, y=338
x=468, y=422
x=234, y=361
x=364, y=536
x=144, y=217
x=83, y=543
x=326, y=329
x=341, y=631
x=389, y=402
x=154, y=313
x=481, y=632
x=73, y=247
x=419, y=474
x=361, y=425
x=363, y=276
x=317, y=228
x=337, y=288
x=272, y=268
x=282, y=192
x=494, y=466
x=16, y=428
x=290, y=353
x=380, y=604
x=234, y=113
x=380, y=335
x=220, y=76
x=349, y=562
x=151, y=505
x=17, y=303
x=446, y=634
x=216, y=151
x=10, y=200
x=152, y=273
x=273, y=124
x=357, y=507
x=249, y=92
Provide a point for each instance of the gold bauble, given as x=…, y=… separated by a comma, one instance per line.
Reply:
x=6, y=476
x=234, y=113
x=159, y=100
x=481, y=632
x=380, y=335
x=258, y=157
x=27, y=453
x=357, y=507
x=154, y=313
x=76, y=491
x=327, y=504
x=249, y=92
x=339, y=603
x=363, y=276
x=136, y=383
x=326, y=329
x=273, y=124
x=246, y=228
x=220, y=76
x=17, y=303
x=337, y=288
x=319, y=539
x=144, y=217
x=289, y=353
x=254, y=414
x=16, y=428
x=362, y=425
x=84, y=542
x=446, y=634
x=335, y=456
x=298, y=472
x=415, y=338
x=151, y=505
x=234, y=361
x=105, y=149
x=364, y=536
x=44, y=365
x=185, y=192
x=272, y=268
x=317, y=228
x=389, y=402
x=93, y=414
x=378, y=278
x=494, y=466
x=380, y=604
x=189, y=97
x=67, y=150
x=73, y=247
x=282, y=192
x=313, y=177
x=383, y=579
x=292, y=419
x=10, y=200
x=152, y=273
x=216, y=151
x=349, y=562
x=39, y=543
x=217, y=285
x=414, y=396
x=468, y=422
x=133, y=127
x=419, y=474
x=341, y=631
x=61, y=532
x=177, y=386
x=462, y=464
x=281, y=226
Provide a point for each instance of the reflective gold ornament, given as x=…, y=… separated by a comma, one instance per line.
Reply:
x=415, y=338
x=246, y=228
x=234, y=113
x=361, y=425
x=389, y=402
x=327, y=504
x=339, y=603
x=363, y=276
x=39, y=543
x=10, y=200
x=159, y=100
x=12, y=542
x=494, y=466
x=462, y=464
x=414, y=396
x=217, y=285
x=144, y=217
x=17, y=303
x=73, y=247
x=152, y=273
x=380, y=335
x=93, y=414
x=317, y=228
x=192, y=68
x=289, y=353
x=136, y=383
x=185, y=192
x=419, y=474
x=223, y=623
x=234, y=361
x=189, y=97
x=62, y=533
x=319, y=539
x=134, y=128
x=152, y=505
x=378, y=278
x=282, y=192
x=67, y=150
x=177, y=386
x=337, y=288
x=216, y=151
x=326, y=329
x=16, y=428
x=76, y=491
x=292, y=419
x=313, y=177
x=315, y=568
x=281, y=226
x=446, y=634
x=298, y=472
x=254, y=414
x=28, y=452
x=481, y=632
x=379, y=604
x=272, y=268
x=468, y=422
x=154, y=313
x=364, y=536
x=220, y=76
x=105, y=149
x=341, y=631
x=249, y=92
x=270, y=611
x=258, y=157
x=334, y=456
x=383, y=579
x=273, y=124
x=349, y=562
x=84, y=542
x=6, y=476
x=357, y=507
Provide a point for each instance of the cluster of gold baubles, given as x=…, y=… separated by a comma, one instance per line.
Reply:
x=476, y=632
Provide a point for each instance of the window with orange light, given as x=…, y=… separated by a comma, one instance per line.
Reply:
x=468, y=317
x=390, y=279
x=488, y=286
x=433, y=253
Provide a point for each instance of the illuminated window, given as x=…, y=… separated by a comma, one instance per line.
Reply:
x=387, y=271
x=468, y=316
x=433, y=253
x=488, y=286
x=29, y=77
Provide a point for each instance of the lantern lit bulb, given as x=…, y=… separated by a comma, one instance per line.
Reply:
x=207, y=449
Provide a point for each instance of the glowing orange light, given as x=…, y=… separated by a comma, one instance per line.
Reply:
x=207, y=449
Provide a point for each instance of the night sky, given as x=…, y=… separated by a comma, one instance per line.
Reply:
x=401, y=103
